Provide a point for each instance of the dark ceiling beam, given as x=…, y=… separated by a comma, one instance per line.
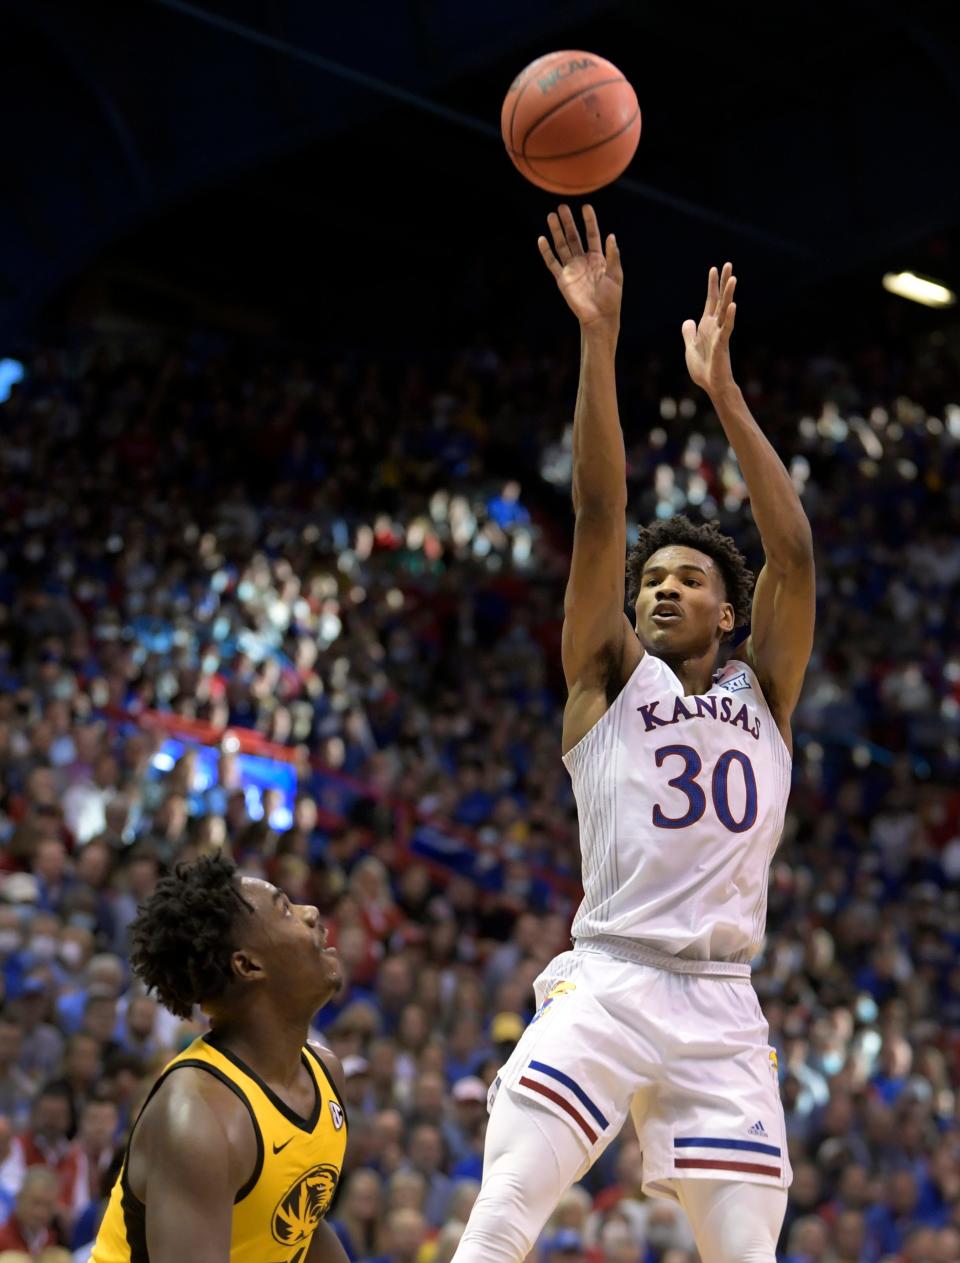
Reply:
x=116, y=125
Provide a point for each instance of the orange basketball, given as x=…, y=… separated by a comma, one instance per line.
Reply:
x=570, y=122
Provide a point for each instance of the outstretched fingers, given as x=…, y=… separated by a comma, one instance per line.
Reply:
x=713, y=294
x=726, y=294
x=594, y=240
x=549, y=258
x=612, y=255
x=560, y=246
x=729, y=320
x=569, y=226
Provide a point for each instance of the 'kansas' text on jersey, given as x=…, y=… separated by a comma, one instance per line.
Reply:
x=681, y=803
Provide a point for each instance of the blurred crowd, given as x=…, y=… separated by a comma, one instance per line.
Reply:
x=363, y=563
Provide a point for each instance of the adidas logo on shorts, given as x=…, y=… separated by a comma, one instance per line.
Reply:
x=756, y=1130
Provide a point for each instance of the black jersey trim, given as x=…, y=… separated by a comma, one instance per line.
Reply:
x=291, y=1115
x=134, y=1214
x=329, y=1078
x=243, y=1192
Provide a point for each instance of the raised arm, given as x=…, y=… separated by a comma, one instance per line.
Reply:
x=596, y=633
x=784, y=600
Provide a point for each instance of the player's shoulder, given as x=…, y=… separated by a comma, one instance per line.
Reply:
x=739, y=676
x=193, y=1099
x=198, y=1123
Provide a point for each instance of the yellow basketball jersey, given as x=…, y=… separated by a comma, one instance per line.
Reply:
x=298, y=1165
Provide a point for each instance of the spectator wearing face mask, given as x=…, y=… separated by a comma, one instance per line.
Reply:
x=73, y=956
x=44, y=939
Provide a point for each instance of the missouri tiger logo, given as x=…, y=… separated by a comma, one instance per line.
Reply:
x=303, y=1205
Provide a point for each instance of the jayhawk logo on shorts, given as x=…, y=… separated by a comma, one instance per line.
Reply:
x=774, y=1064
x=558, y=989
x=303, y=1205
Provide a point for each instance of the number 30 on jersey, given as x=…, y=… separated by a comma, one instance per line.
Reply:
x=687, y=783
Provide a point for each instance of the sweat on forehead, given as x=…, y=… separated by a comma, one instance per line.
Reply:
x=257, y=891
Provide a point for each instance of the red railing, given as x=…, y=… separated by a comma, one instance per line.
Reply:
x=343, y=789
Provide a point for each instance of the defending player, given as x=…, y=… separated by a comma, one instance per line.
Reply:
x=681, y=774
x=239, y=1147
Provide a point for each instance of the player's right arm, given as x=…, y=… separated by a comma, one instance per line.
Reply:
x=599, y=646
x=193, y=1150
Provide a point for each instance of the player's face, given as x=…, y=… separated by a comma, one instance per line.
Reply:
x=290, y=941
x=681, y=607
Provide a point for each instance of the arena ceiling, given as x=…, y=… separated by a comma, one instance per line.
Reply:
x=337, y=167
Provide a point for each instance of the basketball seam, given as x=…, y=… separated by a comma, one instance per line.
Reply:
x=592, y=87
x=533, y=170
x=516, y=102
x=531, y=75
x=572, y=153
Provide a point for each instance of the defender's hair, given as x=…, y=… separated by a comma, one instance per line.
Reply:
x=183, y=936
x=738, y=578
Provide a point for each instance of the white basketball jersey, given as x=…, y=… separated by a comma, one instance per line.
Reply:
x=681, y=803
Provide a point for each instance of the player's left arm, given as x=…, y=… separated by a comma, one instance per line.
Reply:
x=784, y=600
x=325, y=1246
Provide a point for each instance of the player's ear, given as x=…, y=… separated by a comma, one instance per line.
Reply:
x=728, y=619
x=246, y=966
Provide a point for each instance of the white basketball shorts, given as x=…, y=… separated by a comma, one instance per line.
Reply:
x=686, y=1055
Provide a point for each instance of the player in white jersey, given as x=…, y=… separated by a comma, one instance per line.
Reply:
x=681, y=773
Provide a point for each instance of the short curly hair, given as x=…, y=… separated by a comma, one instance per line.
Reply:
x=738, y=578
x=183, y=936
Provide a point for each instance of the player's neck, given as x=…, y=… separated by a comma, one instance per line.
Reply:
x=695, y=674
x=268, y=1041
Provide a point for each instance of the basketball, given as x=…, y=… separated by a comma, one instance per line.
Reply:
x=570, y=122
